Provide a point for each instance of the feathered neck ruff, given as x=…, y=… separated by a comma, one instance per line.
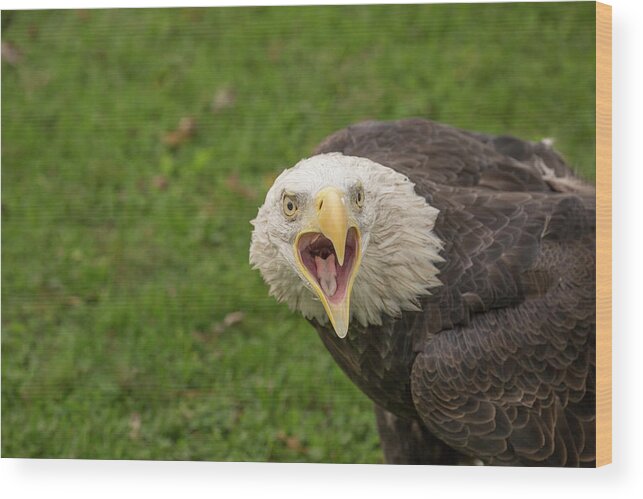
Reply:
x=400, y=248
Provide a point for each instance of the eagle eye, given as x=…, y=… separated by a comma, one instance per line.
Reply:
x=359, y=196
x=289, y=205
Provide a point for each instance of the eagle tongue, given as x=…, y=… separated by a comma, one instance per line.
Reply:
x=327, y=273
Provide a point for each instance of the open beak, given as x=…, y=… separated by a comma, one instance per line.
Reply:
x=329, y=254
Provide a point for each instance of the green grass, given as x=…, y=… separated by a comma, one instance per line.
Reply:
x=121, y=255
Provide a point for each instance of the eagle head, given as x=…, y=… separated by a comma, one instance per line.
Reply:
x=342, y=239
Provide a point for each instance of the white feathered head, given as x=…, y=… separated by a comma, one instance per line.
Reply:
x=342, y=238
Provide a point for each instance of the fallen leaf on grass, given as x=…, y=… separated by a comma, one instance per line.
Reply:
x=234, y=184
x=33, y=31
x=228, y=321
x=74, y=301
x=293, y=443
x=10, y=54
x=134, y=426
x=160, y=182
x=83, y=14
x=178, y=137
x=223, y=99
x=233, y=318
x=219, y=327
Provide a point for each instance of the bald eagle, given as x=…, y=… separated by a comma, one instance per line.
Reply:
x=451, y=275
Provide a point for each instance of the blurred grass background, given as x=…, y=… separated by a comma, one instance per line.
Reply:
x=137, y=145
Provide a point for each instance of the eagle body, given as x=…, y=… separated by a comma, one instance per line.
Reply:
x=496, y=363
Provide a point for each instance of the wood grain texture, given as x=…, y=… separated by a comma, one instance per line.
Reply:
x=603, y=234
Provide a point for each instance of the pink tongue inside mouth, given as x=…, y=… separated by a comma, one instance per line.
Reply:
x=327, y=274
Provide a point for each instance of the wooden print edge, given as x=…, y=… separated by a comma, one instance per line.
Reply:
x=603, y=234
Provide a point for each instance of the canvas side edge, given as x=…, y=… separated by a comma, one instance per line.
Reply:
x=603, y=234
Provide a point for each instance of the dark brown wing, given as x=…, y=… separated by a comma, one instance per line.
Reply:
x=509, y=377
x=500, y=362
x=454, y=157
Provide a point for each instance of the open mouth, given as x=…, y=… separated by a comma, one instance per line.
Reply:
x=319, y=258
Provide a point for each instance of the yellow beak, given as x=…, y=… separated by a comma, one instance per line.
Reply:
x=331, y=218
